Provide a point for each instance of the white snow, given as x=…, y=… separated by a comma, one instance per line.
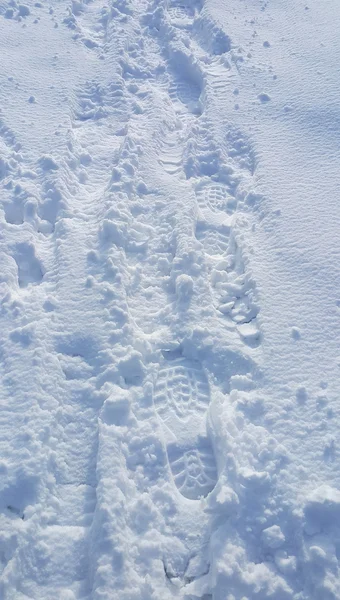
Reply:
x=170, y=305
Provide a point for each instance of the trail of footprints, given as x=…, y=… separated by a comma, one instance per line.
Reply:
x=181, y=84
x=185, y=100
x=215, y=172
x=182, y=392
x=232, y=289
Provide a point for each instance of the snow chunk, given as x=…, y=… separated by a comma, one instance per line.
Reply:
x=115, y=233
x=296, y=334
x=286, y=564
x=132, y=369
x=322, y=509
x=22, y=335
x=184, y=286
x=116, y=409
x=223, y=499
x=254, y=479
x=47, y=163
x=249, y=332
x=273, y=537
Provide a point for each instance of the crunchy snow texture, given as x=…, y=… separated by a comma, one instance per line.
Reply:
x=169, y=300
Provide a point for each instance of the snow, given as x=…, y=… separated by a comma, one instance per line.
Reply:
x=169, y=283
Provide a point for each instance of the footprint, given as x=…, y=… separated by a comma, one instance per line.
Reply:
x=187, y=92
x=210, y=36
x=90, y=102
x=135, y=64
x=171, y=150
x=181, y=399
x=89, y=22
x=234, y=292
x=186, y=80
x=215, y=240
x=182, y=388
x=182, y=13
x=116, y=100
x=30, y=270
x=202, y=157
x=193, y=469
x=216, y=198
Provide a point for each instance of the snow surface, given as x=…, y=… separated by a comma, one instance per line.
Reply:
x=170, y=305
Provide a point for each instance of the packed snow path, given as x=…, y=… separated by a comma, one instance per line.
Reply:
x=145, y=451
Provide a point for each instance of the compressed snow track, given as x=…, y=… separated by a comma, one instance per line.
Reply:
x=138, y=455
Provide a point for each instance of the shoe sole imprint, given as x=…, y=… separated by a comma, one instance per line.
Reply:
x=182, y=390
